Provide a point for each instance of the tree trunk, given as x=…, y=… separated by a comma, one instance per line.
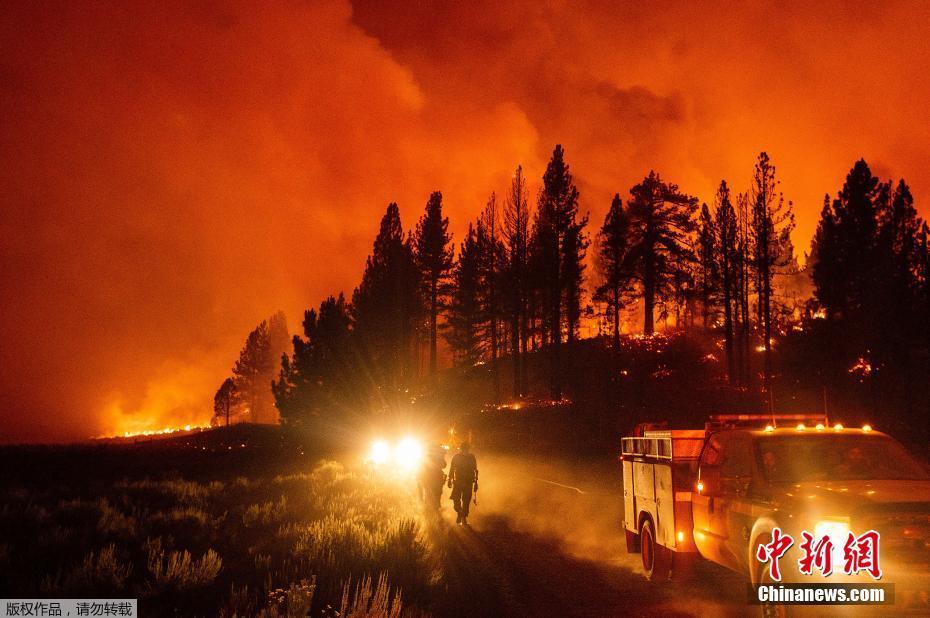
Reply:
x=767, y=326
x=515, y=350
x=616, y=324
x=705, y=304
x=736, y=313
x=494, y=368
x=524, y=341
x=555, y=341
x=555, y=335
x=648, y=299
x=433, y=318
x=747, y=327
x=728, y=329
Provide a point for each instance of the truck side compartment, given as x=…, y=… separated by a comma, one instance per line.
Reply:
x=658, y=472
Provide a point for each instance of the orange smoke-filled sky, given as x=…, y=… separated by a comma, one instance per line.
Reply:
x=172, y=173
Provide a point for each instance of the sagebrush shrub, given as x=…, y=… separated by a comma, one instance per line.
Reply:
x=179, y=571
x=99, y=570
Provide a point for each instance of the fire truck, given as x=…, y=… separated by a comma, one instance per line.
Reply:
x=718, y=492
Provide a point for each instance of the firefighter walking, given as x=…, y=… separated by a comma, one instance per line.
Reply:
x=432, y=477
x=463, y=479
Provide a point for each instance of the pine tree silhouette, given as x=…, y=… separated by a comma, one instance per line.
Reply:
x=846, y=245
x=320, y=376
x=899, y=229
x=727, y=258
x=253, y=373
x=434, y=256
x=492, y=263
x=662, y=222
x=772, y=223
x=559, y=240
x=223, y=402
x=707, y=275
x=516, y=236
x=386, y=310
x=613, y=262
x=465, y=316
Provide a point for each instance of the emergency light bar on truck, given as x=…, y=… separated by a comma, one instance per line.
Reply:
x=760, y=421
x=684, y=444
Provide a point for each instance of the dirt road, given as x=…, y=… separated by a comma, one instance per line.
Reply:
x=546, y=540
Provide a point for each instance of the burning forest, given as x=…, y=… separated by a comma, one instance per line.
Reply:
x=348, y=309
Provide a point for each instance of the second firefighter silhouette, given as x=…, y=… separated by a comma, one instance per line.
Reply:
x=463, y=479
x=432, y=477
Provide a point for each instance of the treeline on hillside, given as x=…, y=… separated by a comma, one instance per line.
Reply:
x=518, y=283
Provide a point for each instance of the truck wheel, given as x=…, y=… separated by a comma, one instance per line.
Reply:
x=772, y=610
x=763, y=576
x=656, y=559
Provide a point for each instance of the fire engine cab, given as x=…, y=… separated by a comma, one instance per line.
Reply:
x=718, y=492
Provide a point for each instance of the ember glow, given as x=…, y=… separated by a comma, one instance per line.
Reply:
x=862, y=368
x=174, y=173
x=163, y=431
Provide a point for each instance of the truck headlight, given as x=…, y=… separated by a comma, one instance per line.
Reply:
x=380, y=452
x=408, y=453
x=838, y=530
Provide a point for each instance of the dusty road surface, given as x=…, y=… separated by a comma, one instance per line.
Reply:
x=546, y=540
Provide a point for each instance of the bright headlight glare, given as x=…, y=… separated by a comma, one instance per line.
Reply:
x=838, y=530
x=380, y=452
x=408, y=453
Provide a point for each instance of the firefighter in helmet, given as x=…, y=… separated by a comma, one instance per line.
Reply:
x=463, y=479
x=432, y=477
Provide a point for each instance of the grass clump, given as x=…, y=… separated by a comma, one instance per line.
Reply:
x=371, y=601
x=99, y=570
x=177, y=570
x=265, y=513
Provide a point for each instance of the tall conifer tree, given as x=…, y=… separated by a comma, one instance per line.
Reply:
x=662, y=222
x=434, y=255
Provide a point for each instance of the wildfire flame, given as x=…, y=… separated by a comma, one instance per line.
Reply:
x=166, y=430
x=173, y=403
